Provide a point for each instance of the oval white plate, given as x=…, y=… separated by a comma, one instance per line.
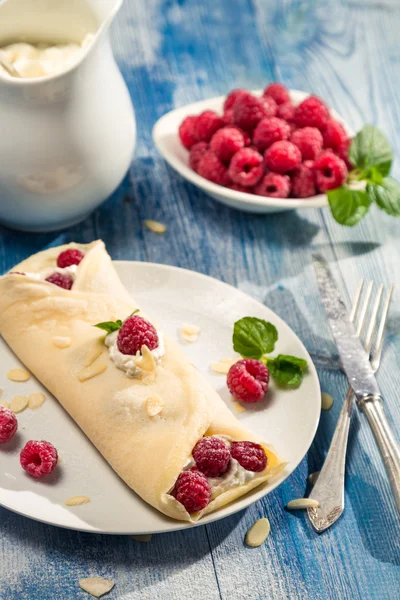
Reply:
x=289, y=420
x=166, y=139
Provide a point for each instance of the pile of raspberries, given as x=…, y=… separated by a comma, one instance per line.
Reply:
x=268, y=146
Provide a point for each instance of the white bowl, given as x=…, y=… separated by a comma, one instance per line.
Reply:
x=166, y=139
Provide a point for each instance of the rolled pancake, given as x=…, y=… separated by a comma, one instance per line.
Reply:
x=148, y=453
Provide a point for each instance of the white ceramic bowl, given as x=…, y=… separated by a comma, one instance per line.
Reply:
x=166, y=139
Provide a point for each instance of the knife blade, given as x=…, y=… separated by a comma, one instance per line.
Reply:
x=354, y=359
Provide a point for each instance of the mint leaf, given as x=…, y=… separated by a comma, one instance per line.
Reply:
x=254, y=337
x=372, y=175
x=110, y=326
x=287, y=370
x=348, y=206
x=371, y=148
x=386, y=195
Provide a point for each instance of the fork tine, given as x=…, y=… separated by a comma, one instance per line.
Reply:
x=356, y=301
x=364, y=310
x=371, y=328
x=376, y=359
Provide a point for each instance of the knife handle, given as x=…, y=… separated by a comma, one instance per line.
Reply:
x=388, y=446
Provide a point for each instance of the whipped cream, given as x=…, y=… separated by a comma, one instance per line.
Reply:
x=40, y=60
x=71, y=271
x=127, y=362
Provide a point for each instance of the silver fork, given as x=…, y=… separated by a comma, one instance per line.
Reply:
x=329, y=487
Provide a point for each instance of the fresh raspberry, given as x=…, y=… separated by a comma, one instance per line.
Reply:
x=303, y=180
x=278, y=92
x=330, y=171
x=207, y=123
x=309, y=141
x=227, y=117
x=212, y=168
x=69, y=257
x=240, y=188
x=38, y=458
x=212, y=456
x=248, y=380
x=249, y=455
x=225, y=142
x=312, y=112
x=246, y=167
x=269, y=131
x=63, y=281
x=186, y=132
x=282, y=157
x=8, y=424
x=286, y=112
x=273, y=185
x=248, y=110
x=192, y=490
x=231, y=98
x=196, y=153
x=135, y=333
x=343, y=153
x=335, y=136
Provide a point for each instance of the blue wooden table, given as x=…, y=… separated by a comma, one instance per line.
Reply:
x=173, y=52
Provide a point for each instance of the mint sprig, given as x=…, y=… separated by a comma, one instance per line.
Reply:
x=110, y=326
x=256, y=338
x=371, y=154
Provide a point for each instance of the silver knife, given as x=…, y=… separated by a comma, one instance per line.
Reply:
x=357, y=367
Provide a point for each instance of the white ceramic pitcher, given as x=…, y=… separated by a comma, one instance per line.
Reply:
x=66, y=140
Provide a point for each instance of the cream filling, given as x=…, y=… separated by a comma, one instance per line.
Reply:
x=127, y=362
x=71, y=271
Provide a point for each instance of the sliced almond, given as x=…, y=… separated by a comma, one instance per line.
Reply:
x=312, y=478
x=258, y=533
x=93, y=354
x=142, y=538
x=302, y=503
x=326, y=401
x=92, y=371
x=36, y=400
x=223, y=365
x=190, y=333
x=154, y=405
x=96, y=586
x=4, y=404
x=77, y=501
x=239, y=408
x=19, y=403
x=18, y=375
x=146, y=361
x=155, y=226
x=61, y=342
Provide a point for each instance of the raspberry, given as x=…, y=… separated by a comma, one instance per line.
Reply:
x=246, y=167
x=248, y=380
x=269, y=131
x=207, y=123
x=303, y=180
x=249, y=455
x=227, y=117
x=248, y=110
x=309, y=141
x=231, y=98
x=278, y=92
x=330, y=171
x=225, y=142
x=312, y=112
x=38, y=458
x=282, y=157
x=286, y=112
x=135, y=333
x=212, y=456
x=8, y=424
x=335, y=136
x=69, y=257
x=192, y=490
x=196, y=153
x=343, y=153
x=273, y=185
x=186, y=132
x=212, y=168
x=63, y=281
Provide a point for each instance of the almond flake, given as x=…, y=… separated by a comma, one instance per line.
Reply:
x=18, y=403
x=4, y=404
x=222, y=366
x=96, y=586
x=155, y=226
x=312, y=478
x=92, y=371
x=146, y=361
x=154, y=405
x=326, y=401
x=77, y=501
x=36, y=400
x=92, y=355
x=258, y=533
x=142, y=538
x=18, y=375
x=302, y=503
x=61, y=342
x=239, y=408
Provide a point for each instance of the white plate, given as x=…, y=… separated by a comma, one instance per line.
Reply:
x=173, y=296
x=166, y=139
